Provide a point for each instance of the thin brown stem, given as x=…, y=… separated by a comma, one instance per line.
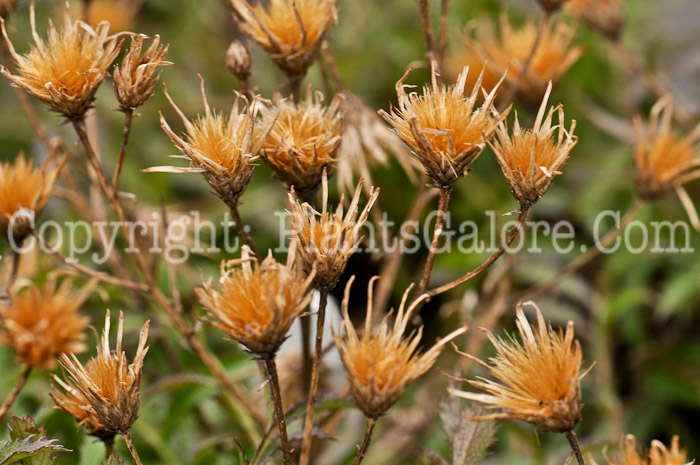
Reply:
x=443, y=205
x=12, y=396
x=573, y=440
x=295, y=87
x=129, y=116
x=429, y=37
x=16, y=257
x=132, y=450
x=313, y=389
x=307, y=360
x=512, y=234
x=271, y=368
x=442, y=36
x=333, y=67
x=583, y=260
x=362, y=450
x=109, y=446
x=240, y=227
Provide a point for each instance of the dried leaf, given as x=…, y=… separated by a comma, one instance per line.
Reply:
x=470, y=439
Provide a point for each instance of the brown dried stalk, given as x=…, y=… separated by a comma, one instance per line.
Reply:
x=443, y=205
x=271, y=368
x=15, y=391
x=365, y=441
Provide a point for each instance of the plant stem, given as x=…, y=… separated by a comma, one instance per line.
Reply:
x=442, y=35
x=132, y=449
x=429, y=39
x=310, y=406
x=271, y=368
x=573, y=440
x=365, y=442
x=583, y=260
x=443, y=204
x=109, y=446
x=129, y=113
x=240, y=227
x=512, y=234
x=15, y=391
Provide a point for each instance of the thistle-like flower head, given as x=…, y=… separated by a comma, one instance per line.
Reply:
x=304, y=140
x=536, y=380
x=380, y=364
x=658, y=454
x=135, y=80
x=110, y=384
x=531, y=158
x=257, y=303
x=326, y=240
x=65, y=70
x=42, y=322
x=69, y=399
x=290, y=31
x=443, y=127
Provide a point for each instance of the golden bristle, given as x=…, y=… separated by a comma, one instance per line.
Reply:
x=42, y=322
x=443, y=127
x=24, y=191
x=531, y=158
x=290, y=31
x=257, y=303
x=72, y=401
x=604, y=16
x=221, y=147
x=658, y=454
x=380, y=364
x=65, y=70
x=109, y=383
x=537, y=381
x=665, y=159
x=135, y=80
x=327, y=240
x=303, y=141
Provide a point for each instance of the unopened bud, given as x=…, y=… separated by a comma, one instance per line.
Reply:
x=238, y=60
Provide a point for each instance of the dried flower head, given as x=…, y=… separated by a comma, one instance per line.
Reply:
x=510, y=49
x=65, y=70
x=119, y=13
x=537, y=381
x=665, y=159
x=304, y=140
x=109, y=383
x=238, y=60
x=290, y=31
x=327, y=240
x=6, y=7
x=551, y=5
x=368, y=140
x=24, y=191
x=531, y=158
x=257, y=302
x=42, y=322
x=605, y=16
x=443, y=127
x=658, y=454
x=222, y=148
x=71, y=400
x=135, y=80
x=380, y=364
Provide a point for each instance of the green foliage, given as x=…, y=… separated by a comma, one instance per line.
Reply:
x=28, y=444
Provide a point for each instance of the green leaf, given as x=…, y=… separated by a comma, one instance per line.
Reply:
x=470, y=439
x=29, y=451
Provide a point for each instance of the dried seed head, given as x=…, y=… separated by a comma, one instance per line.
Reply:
x=537, y=381
x=24, y=191
x=257, y=302
x=531, y=158
x=135, y=80
x=327, y=240
x=42, y=322
x=658, y=454
x=109, y=383
x=119, y=13
x=665, y=159
x=65, y=70
x=6, y=7
x=443, y=127
x=71, y=400
x=238, y=60
x=290, y=31
x=304, y=140
x=222, y=148
x=605, y=16
x=380, y=364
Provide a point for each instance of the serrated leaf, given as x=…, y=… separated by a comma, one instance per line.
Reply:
x=113, y=459
x=24, y=431
x=22, y=428
x=431, y=457
x=470, y=439
x=30, y=451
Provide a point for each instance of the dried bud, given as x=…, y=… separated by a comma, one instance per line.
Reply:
x=238, y=60
x=135, y=80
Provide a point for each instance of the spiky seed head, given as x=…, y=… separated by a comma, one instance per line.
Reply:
x=24, y=191
x=257, y=302
x=290, y=31
x=238, y=60
x=326, y=240
x=380, y=363
x=658, y=454
x=69, y=399
x=135, y=80
x=665, y=158
x=531, y=158
x=605, y=16
x=443, y=126
x=221, y=147
x=110, y=384
x=42, y=322
x=536, y=380
x=65, y=70
x=304, y=140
